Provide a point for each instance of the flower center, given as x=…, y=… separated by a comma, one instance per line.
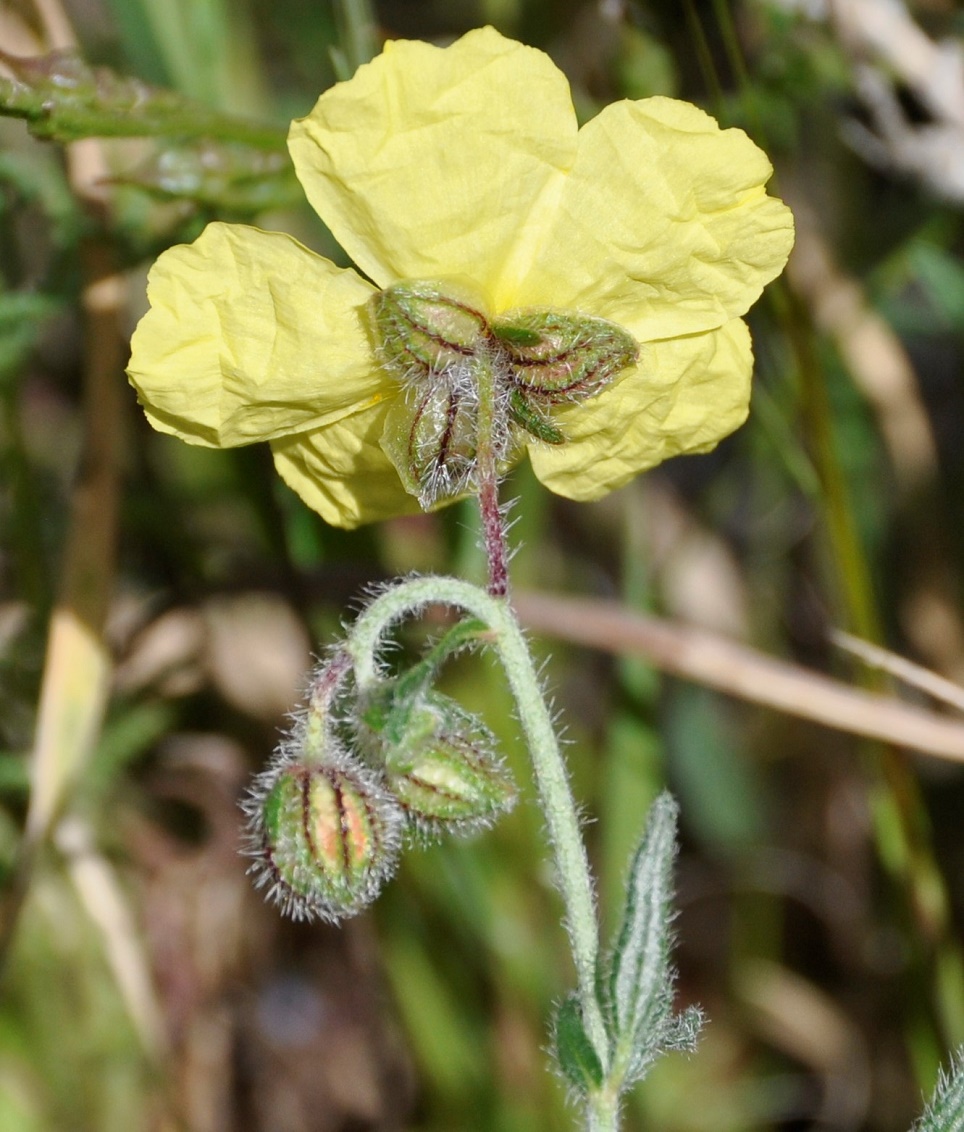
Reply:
x=450, y=358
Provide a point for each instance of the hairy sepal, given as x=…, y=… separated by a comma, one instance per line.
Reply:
x=437, y=341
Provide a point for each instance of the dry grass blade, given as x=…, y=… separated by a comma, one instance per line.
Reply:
x=740, y=671
x=909, y=673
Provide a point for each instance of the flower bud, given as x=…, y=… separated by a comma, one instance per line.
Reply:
x=439, y=762
x=455, y=783
x=324, y=837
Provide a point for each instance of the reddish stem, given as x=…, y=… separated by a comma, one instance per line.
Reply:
x=493, y=529
x=326, y=684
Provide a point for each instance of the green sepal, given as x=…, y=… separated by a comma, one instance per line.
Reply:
x=437, y=341
x=556, y=356
x=430, y=436
x=515, y=335
x=575, y=1053
x=425, y=328
x=533, y=420
x=389, y=704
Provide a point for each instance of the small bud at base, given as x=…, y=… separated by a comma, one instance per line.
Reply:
x=438, y=759
x=454, y=784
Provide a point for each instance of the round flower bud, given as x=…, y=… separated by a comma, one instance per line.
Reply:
x=439, y=761
x=454, y=784
x=324, y=837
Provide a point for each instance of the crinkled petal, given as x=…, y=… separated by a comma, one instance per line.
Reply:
x=685, y=395
x=663, y=226
x=251, y=336
x=341, y=472
x=436, y=162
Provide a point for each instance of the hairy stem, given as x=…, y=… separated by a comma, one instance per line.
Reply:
x=603, y=1111
x=493, y=533
x=555, y=797
x=487, y=475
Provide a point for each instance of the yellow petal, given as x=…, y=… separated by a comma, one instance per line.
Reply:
x=663, y=225
x=341, y=472
x=430, y=162
x=250, y=336
x=685, y=395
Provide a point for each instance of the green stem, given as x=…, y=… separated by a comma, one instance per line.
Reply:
x=603, y=1111
x=555, y=797
x=63, y=99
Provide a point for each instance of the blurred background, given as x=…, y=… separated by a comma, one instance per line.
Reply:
x=160, y=605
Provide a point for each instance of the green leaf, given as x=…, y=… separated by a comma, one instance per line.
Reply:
x=637, y=992
x=233, y=179
x=640, y=960
x=574, y=1051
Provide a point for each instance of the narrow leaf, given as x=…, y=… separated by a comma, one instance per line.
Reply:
x=236, y=180
x=577, y=1058
x=639, y=970
x=636, y=986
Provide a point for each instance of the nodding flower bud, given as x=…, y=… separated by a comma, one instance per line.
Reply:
x=324, y=837
x=439, y=762
x=323, y=829
x=437, y=341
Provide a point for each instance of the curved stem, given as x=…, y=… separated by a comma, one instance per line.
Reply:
x=555, y=797
x=321, y=694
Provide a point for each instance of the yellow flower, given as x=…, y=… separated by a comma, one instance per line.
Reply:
x=467, y=162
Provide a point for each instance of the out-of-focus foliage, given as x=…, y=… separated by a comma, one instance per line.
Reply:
x=820, y=884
